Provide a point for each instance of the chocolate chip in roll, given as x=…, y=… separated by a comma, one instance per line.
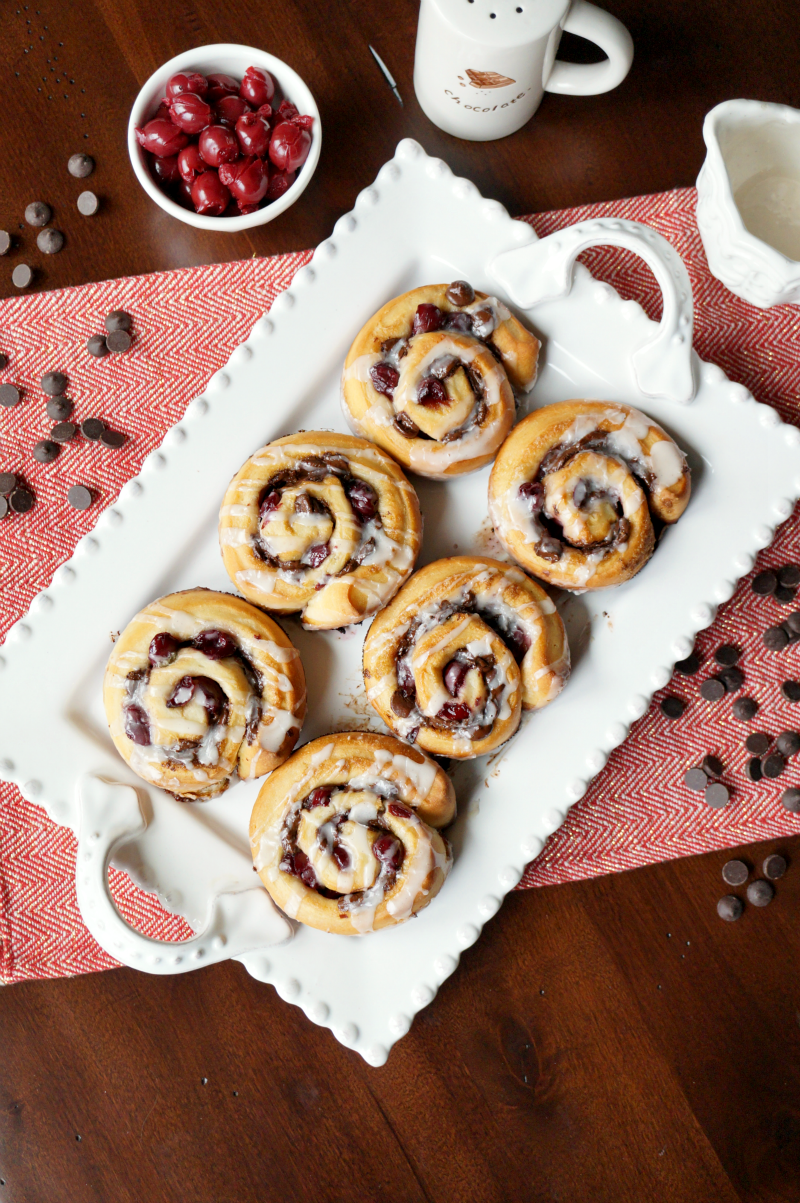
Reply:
x=322, y=524
x=577, y=487
x=345, y=837
x=466, y=645
x=201, y=686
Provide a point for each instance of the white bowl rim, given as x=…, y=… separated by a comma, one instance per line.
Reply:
x=289, y=82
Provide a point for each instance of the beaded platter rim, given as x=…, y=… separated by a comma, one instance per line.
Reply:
x=372, y=1021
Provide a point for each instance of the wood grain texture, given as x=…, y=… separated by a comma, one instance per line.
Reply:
x=607, y=1040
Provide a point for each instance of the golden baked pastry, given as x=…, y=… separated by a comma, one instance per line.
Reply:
x=200, y=686
x=576, y=486
x=464, y=648
x=320, y=523
x=344, y=836
x=430, y=377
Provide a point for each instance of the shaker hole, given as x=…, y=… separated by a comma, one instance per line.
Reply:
x=493, y=15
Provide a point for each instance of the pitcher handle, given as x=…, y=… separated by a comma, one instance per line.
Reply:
x=543, y=271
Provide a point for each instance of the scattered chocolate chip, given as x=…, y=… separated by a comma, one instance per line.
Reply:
x=791, y=690
x=788, y=742
x=80, y=166
x=790, y=799
x=730, y=908
x=672, y=707
x=773, y=765
x=760, y=893
x=50, y=241
x=460, y=292
x=88, y=204
x=118, y=341
x=118, y=319
x=3, y=507
x=728, y=654
x=79, y=497
x=21, y=500
x=58, y=408
x=745, y=709
x=774, y=866
x=712, y=766
x=793, y=622
x=92, y=428
x=735, y=872
x=113, y=438
x=8, y=482
x=5, y=242
x=62, y=432
x=765, y=583
x=775, y=639
x=9, y=395
x=696, y=779
x=784, y=595
x=22, y=275
x=732, y=678
x=54, y=383
x=753, y=769
x=789, y=575
x=97, y=346
x=38, y=213
x=758, y=743
x=46, y=451
x=712, y=689
x=689, y=666
x=717, y=795
x=3, y=361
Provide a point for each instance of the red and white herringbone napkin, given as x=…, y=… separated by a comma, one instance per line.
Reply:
x=186, y=324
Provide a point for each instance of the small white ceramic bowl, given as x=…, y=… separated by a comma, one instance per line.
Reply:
x=231, y=59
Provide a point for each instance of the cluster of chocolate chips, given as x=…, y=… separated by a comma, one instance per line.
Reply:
x=705, y=779
x=39, y=215
x=117, y=337
x=759, y=892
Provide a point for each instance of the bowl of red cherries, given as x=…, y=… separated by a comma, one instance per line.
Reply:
x=224, y=137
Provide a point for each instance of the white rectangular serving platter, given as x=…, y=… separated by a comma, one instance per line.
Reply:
x=418, y=224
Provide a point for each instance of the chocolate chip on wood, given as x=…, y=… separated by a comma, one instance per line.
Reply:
x=735, y=872
x=730, y=908
x=50, y=241
x=88, y=204
x=774, y=866
x=38, y=213
x=80, y=166
x=22, y=276
x=5, y=242
x=79, y=497
x=745, y=709
x=760, y=893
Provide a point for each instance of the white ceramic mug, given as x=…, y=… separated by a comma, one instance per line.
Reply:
x=482, y=66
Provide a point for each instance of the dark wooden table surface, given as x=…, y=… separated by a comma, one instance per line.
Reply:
x=610, y=1040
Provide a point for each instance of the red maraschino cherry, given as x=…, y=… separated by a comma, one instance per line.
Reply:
x=165, y=169
x=279, y=182
x=186, y=81
x=229, y=109
x=289, y=146
x=209, y=195
x=253, y=134
x=266, y=111
x=248, y=179
x=190, y=113
x=257, y=87
x=220, y=85
x=161, y=138
x=218, y=145
x=190, y=163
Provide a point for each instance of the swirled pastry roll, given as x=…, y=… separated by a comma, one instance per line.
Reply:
x=576, y=486
x=344, y=833
x=464, y=648
x=428, y=378
x=201, y=686
x=325, y=524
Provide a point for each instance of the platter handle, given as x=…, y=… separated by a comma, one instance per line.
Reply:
x=241, y=922
x=544, y=271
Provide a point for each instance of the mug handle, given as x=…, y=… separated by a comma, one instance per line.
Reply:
x=543, y=271
x=237, y=923
x=589, y=79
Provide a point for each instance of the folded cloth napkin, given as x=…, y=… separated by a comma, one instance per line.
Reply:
x=185, y=325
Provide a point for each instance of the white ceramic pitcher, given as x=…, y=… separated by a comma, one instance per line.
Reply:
x=482, y=66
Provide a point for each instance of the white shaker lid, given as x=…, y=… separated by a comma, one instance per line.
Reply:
x=501, y=22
